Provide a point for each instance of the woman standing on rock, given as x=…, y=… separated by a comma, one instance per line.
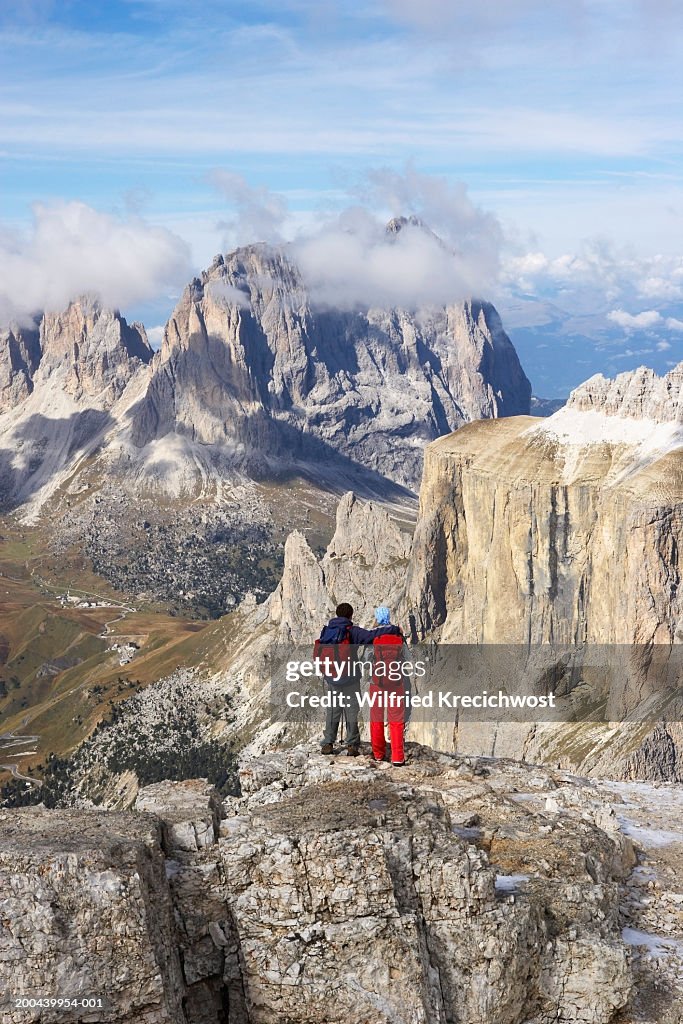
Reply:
x=388, y=695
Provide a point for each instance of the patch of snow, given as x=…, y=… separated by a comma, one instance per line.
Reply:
x=655, y=943
x=466, y=831
x=652, y=837
x=586, y=426
x=643, y=441
x=510, y=883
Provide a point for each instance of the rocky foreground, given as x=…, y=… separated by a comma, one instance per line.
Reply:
x=459, y=889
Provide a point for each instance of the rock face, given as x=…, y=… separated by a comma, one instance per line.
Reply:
x=365, y=565
x=640, y=394
x=331, y=891
x=87, y=910
x=66, y=389
x=564, y=531
x=250, y=365
x=85, y=351
x=19, y=358
x=88, y=351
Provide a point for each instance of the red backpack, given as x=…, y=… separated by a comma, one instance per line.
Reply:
x=334, y=646
x=386, y=649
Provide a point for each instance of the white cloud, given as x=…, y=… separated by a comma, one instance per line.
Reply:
x=352, y=261
x=673, y=324
x=260, y=213
x=349, y=260
x=74, y=249
x=663, y=346
x=635, y=322
x=228, y=295
x=598, y=277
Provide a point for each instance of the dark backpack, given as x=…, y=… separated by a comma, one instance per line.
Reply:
x=334, y=645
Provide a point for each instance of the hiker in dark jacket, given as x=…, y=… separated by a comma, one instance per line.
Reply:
x=341, y=630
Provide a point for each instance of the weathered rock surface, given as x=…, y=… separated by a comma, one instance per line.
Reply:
x=88, y=351
x=333, y=890
x=564, y=531
x=249, y=365
x=524, y=539
x=86, y=913
x=19, y=358
x=65, y=390
x=638, y=394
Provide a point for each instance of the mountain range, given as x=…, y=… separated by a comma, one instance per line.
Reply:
x=260, y=408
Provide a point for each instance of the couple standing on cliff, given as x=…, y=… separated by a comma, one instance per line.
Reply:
x=338, y=642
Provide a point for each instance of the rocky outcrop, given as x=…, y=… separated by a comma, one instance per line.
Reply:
x=529, y=535
x=638, y=394
x=249, y=365
x=364, y=564
x=89, y=352
x=87, y=914
x=19, y=358
x=67, y=389
x=333, y=890
x=85, y=351
x=565, y=531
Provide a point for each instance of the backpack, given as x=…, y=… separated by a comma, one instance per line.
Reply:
x=334, y=645
x=386, y=649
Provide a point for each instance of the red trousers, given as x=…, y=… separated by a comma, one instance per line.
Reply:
x=382, y=705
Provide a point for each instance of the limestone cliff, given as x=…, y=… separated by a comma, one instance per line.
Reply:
x=332, y=891
x=564, y=531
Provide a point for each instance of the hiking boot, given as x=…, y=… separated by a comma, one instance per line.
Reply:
x=327, y=749
x=353, y=751
x=398, y=764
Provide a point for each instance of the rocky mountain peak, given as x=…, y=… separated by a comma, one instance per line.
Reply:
x=365, y=564
x=638, y=394
x=251, y=364
x=397, y=224
x=90, y=350
x=19, y=359
x=364, y=529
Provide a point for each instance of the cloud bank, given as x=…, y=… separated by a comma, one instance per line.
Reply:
x=260, y=214
x=597, y=277
x=445, y=249
x=73, y=249
x=648, y=320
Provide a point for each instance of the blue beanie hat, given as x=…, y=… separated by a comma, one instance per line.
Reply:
x=382, y=615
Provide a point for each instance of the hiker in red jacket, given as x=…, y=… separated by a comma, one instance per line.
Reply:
x=387, y=693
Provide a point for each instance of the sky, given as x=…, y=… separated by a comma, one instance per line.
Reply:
x=540, y=141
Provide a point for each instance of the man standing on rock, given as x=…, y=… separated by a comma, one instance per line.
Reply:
x=338, y=641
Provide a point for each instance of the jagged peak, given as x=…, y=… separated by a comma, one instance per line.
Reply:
x=365, y=529
x=397, y=224
x=634, y=394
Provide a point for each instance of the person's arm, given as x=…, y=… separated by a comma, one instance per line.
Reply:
x=366, y=636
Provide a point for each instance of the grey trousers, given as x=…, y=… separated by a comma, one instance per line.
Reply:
x=348, y=707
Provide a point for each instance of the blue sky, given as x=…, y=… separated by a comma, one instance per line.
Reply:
x=117, y=121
